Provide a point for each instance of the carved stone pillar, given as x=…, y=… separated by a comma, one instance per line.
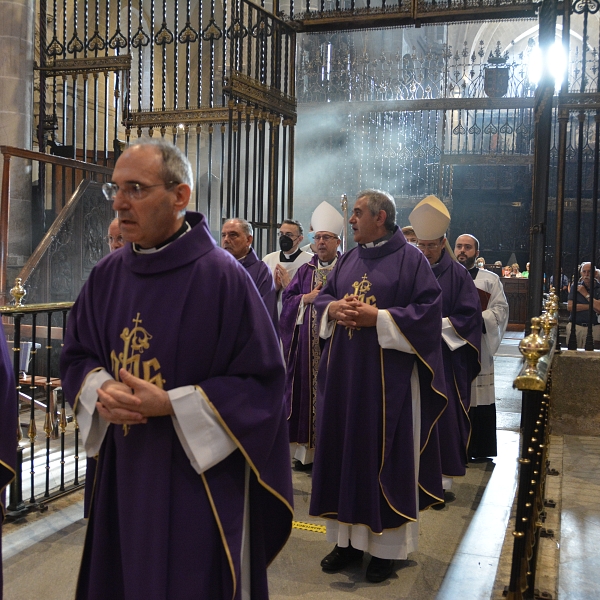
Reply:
x=17, y=25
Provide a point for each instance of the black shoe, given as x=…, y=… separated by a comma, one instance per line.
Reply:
x=299, y=466
x=379, y=569
x=339, y=558
x=441, y=505
x=449, y=497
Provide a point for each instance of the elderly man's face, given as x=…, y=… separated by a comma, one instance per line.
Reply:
x=432, y=249
x=154, y=217
x=327, y=244
x=586, y=272
x=235, y=240
x=464, y=248
x=115, y=239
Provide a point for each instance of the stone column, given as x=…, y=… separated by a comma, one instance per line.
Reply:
x=17, y=26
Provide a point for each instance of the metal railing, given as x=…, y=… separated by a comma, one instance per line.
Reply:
x=49, y=467
x=534, y=381
x=54, y=196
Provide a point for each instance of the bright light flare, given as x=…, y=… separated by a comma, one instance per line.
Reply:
x=557, y=63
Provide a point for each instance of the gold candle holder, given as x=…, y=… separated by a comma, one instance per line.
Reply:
x=533, y=347
x=18, y=292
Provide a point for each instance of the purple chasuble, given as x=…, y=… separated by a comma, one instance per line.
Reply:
x=460, y=303
x=364, y=462
x=187, y=315
x=302, y=352
x=263, y=279
x=8, y=427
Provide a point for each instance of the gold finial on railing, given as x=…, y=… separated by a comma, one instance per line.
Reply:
x=18, y=292
x=48, y=425
x=551, y=304
x=32, y=431
x=548, y=321
x=62, y=422
x=533, y=347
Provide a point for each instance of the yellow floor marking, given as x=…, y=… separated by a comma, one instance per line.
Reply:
x=309, y=527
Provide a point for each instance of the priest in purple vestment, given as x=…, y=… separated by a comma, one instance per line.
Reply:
x=236, y=237
x=300, y=333
x=380, y=393
x=174, y=371
x=461, y=333
x=8, y=428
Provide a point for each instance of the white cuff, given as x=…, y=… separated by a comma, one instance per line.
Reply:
x=300, y=315
x=326, y=328
x=92, y=426
x=203, y=438
x=449, y=335
x=389, y=334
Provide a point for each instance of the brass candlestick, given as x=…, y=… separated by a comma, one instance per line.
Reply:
x=533, y=347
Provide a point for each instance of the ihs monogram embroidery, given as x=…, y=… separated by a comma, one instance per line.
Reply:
x=135, y=341
x=361, y=288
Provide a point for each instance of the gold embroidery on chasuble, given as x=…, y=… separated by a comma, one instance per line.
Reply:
x=319, y=277
x=135, y=341
x=361, y=289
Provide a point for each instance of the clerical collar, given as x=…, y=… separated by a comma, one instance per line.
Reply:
x=185, y=227
x=324, y=264
x=473, y=271
x=379, y=242
x=289, y=257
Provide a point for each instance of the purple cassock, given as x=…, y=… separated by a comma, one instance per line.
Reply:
x=460, y=303
x=364, y=471
x=302, y=351
x=187, y=315
x=8, y=427
x=263, y=279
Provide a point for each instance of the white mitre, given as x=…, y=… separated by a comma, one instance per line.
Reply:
x=327, y=218
x=430, y=218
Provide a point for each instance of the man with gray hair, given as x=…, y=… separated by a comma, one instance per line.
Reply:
x=174, y=371
x=236, y=237
x=380, y=391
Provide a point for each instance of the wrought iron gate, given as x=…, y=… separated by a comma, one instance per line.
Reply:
x=216, y=77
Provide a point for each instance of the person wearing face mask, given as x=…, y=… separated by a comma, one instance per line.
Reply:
x=409, y=234
x=285, y=262
x=311, y=247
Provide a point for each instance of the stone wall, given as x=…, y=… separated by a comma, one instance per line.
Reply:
x=575, y=401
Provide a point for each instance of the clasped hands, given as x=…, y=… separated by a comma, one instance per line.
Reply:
x=351, y=312
x=132, y=400
x=282, y=277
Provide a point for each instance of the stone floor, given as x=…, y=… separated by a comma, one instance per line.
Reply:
x=464, y=549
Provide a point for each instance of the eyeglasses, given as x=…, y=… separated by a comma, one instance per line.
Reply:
x=135, y=191
x=325, y=238
x=431, y=246
x=109, y=239
x=287, y=234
